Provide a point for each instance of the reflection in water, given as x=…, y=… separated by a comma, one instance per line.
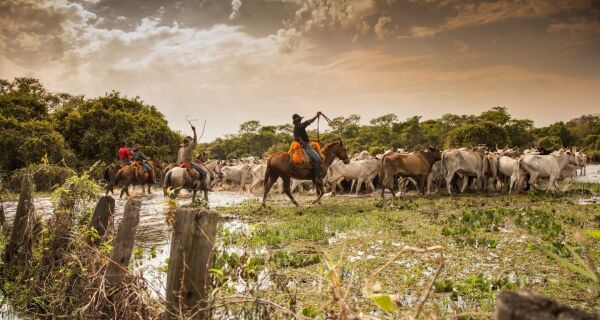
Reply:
x=153, y=234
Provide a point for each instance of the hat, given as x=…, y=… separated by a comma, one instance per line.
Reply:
x=296, y=117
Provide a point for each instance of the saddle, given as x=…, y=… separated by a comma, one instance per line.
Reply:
x=139, y=166
x=190, y=170
x=300, y=159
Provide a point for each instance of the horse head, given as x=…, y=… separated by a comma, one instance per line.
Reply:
x=338, y=150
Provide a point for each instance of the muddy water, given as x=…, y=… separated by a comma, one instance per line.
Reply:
x=592, y=174
x=153, y=234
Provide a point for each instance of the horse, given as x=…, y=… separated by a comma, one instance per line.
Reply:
x=279, y=165
x=178, y=178
x=110, y=175
x=135, y=175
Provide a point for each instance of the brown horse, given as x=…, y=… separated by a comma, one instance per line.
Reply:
x=110, y=173
x=135, y=175
x=279, y=163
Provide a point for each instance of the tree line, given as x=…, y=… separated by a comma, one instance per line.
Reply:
x=493, y=127
x=40, y=126
x=37, y=125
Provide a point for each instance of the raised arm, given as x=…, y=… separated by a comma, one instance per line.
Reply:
x=195, y=136
x=311, y=120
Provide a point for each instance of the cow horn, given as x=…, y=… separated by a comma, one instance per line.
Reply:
x=497, y=149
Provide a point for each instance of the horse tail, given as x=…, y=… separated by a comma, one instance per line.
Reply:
x=167, y=183
x=267, y=173
x=106, y=174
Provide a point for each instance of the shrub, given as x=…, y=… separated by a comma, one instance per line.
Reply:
x=45, y=177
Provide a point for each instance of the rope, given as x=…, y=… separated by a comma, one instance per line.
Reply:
x=318, y=135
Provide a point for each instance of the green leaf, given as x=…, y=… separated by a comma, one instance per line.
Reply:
x=218, y=272
x=385, y=302
x=571, y=266
x=593, y=234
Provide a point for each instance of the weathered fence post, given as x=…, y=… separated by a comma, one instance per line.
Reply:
x=2, y=216
x=524, y=305
x=123, y=246
x=192, y=243
x=20, y=238
x=101, y=218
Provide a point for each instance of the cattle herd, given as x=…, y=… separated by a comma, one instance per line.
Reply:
x=428, y=171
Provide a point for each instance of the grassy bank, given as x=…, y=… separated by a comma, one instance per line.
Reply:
x=489, y=244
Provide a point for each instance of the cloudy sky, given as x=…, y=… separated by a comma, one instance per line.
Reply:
x=232, y=61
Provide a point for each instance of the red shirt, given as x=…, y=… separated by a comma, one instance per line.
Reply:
x=125, y=154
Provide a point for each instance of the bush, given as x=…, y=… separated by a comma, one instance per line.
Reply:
x=484, y=132
x=45, y=177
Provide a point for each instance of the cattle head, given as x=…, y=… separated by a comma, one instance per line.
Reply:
x=432, y=154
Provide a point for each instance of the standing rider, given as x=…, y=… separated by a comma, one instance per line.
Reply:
x=141, y=158
x=125, y=153
x=185, y=154
x=301, y=137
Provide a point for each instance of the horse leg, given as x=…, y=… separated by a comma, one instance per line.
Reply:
x=206, y=196
x=194, y=196
x=149, y=185
x=286, y=189
x=124, y=190
x=269, y=182
x=320, y=193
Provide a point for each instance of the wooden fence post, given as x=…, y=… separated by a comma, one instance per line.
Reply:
x=101, y=218
x=2, y=216
x=123, y=246
x=524, y=305
x=192, y=244
x=20, y=238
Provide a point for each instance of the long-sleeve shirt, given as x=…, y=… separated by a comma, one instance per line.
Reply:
x=125, y=154
x=186, y=153
x=138, y=155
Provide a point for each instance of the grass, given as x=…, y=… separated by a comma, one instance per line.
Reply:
x=490, y=243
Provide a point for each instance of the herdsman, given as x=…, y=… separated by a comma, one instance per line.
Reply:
x=301, y=137
x=185, y=154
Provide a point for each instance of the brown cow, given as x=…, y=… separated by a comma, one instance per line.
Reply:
x=416, y=165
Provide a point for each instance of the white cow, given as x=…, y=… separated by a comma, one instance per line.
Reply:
x=506, y=167
x=361, y=171
x=547, y=166
x=236, y=174
x=363, y=155
x=465, y=163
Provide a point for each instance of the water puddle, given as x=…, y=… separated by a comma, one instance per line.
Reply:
x=152, y=241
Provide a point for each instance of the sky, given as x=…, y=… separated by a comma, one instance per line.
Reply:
x=233, y=61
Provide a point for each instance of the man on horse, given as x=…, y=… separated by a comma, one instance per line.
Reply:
x=301, y=137
x=141, y=158
x=185, y=155
x=125, y=153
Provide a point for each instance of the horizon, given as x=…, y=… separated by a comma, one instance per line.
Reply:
x=234, y=61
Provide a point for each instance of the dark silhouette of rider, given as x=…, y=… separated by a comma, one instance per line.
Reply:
x=301, y=137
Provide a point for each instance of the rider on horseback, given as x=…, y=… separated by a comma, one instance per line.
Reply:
x=186, y=155
x=141, y=158
x=125, y=153
x=301, y=137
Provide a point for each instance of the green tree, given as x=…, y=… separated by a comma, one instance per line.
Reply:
x=484, y=132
